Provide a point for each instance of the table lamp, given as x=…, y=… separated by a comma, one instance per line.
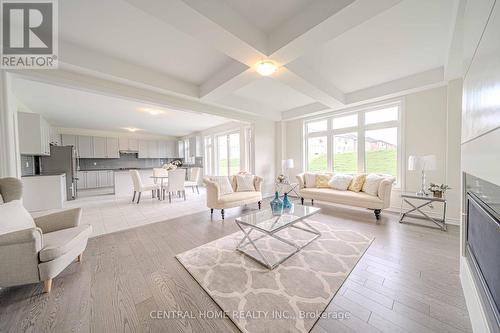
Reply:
x=423, y=163
x=287, y=165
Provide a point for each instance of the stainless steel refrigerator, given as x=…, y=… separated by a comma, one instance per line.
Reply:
x=62, y=159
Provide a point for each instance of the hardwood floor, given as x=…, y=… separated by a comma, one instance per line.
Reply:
x=406, y=282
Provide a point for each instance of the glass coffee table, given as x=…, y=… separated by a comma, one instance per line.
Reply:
x=264, y=224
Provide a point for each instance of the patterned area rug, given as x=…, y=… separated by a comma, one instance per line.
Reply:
x=289, y=298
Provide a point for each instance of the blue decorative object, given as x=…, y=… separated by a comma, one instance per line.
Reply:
x=287, y=204
x=277, y=205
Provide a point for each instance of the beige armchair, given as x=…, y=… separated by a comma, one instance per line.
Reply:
x=35, y=250
x=215, y=200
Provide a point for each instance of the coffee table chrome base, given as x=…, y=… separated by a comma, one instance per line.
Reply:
x=247, y=240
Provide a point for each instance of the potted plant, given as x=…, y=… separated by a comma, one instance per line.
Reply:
x=438, y=190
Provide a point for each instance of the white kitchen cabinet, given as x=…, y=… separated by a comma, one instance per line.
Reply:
x=69, y=140
x=112, y=148
x=34, y=134
x=99, y=144
x=55, y=137
x=92, y=179
x=143, y=149
x=180, y=148
x=81, y=182
x=102, y=179
x=170, y=149
x=85, y=146
x=162, y=149
x=153, y=149
x=133, y=144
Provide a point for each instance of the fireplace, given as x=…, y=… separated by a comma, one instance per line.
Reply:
x=482, y=243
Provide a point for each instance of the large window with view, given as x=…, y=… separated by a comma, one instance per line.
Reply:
x=362, y=141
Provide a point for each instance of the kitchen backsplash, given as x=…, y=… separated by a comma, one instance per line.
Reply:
x=27, y=165
x=127, y=161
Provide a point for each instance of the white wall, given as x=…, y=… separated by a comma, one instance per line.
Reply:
x=429, y=127
x=265, y=153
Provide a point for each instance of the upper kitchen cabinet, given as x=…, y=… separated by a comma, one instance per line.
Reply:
x=85, y=146
x=99, y=147
x=153, y=149
x=34, y=134
x=69, y=140
x=112, y=148
x=128, y=144
x=143, y=149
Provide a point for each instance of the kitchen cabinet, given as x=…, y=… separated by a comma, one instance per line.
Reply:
x=112, y=148
x=34, y=134
x=180, y=148
x=69, y=140
x=55, y=137
x=153, y=149
x=170, y=149
x=99, y=144
x=133, y=144
x=95, y=179
x=92, y=179
x=85, y=146
x=143, y=149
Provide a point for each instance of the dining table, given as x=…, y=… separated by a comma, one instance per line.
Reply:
x=163, y=181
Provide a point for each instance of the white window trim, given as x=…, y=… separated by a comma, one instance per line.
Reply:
x=360, y=129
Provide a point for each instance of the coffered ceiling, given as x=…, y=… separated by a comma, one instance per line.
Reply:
x=330, y=53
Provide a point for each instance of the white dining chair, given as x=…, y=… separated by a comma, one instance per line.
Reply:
x=194, y=178
x=175, y=184
x=139, y=187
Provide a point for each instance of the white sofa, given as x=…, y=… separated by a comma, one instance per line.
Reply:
x=235, y=199
x=350, y=198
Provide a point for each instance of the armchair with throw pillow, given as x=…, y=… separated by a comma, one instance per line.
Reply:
x=232, y=191
x=35, y=250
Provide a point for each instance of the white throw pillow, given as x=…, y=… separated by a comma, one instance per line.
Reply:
x=340, y=182
x=224, y=184
x=372, y=183
x=244, y=183
x=1, y=199
x=310, y=179
x=14, y=217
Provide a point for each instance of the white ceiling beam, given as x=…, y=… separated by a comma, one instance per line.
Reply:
x=453, y=65
x=87, y=61
x=227, y=80
x=189, y=20
x=291, y=79
x=299, y=112
x=323, y=21
x=397, y=87
x=91, y=83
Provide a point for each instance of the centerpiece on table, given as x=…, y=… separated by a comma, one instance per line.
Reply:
x=171, y=166
x=438, y=190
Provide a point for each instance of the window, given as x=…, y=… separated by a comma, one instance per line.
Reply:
x=317, y=154
x=228, y=154
x=362, y=141
x=381, y=151
x=208, y=157
x=345, y=156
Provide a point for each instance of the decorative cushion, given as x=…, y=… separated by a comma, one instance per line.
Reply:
x=340, y=182
x=244, y=183
x=322, y=180
x=357, y=182
x=310, y=179
x=1, y=199
x=14, y=217
x=372, y=183
x=224, y=184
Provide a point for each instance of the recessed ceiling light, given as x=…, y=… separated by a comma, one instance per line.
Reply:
x=131, y=129
x=266, y=67
x=153, y=112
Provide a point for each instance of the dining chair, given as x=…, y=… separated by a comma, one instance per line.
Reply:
x=175, y=184
x=194, y=178
x=139, y=187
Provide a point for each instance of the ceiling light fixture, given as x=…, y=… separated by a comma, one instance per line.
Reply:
x=266, y=67
x=131, y=129
x=153, y=112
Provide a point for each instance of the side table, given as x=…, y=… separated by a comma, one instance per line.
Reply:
x=424, y=200
x=281, y=188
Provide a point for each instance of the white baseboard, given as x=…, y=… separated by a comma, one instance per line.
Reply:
x=474, y=306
